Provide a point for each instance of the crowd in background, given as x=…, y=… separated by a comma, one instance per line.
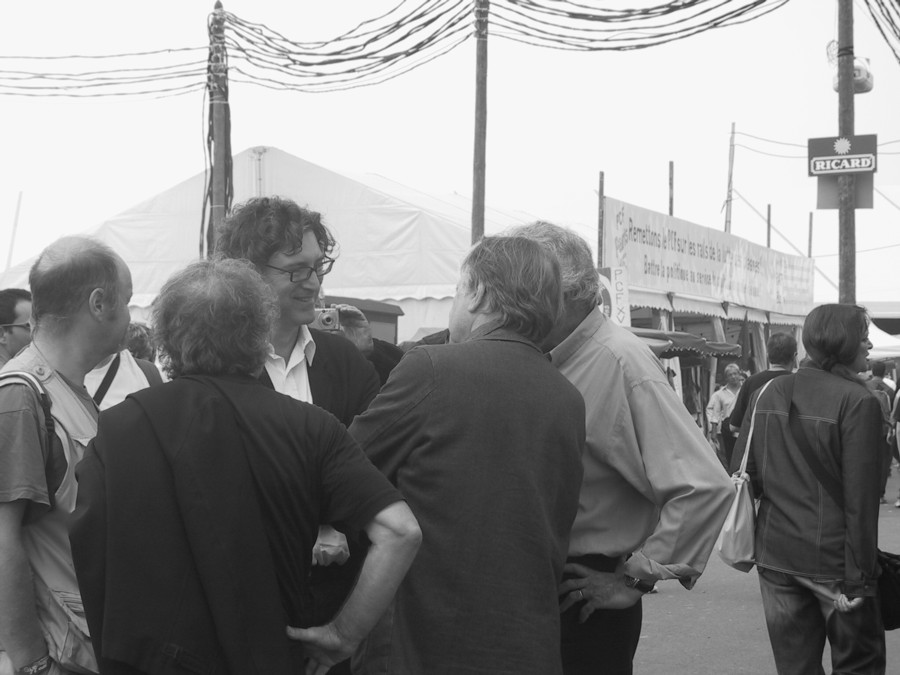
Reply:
x=496, y=499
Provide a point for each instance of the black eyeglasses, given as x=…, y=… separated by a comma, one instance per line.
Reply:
x=322, y=268
x=26, y=325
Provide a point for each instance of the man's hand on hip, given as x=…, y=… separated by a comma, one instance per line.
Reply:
x=598, y=590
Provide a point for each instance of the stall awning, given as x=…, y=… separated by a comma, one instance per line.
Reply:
x=786, y=319
x=738, y=312
x=683, y=344
x=694, y=305
x=653, y=299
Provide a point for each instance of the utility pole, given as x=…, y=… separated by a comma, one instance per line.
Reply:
x=601, y=216
x=730, y=181
x=12, y=239
x=482, y=11
x=809, y=255
x=768, y=226
x=847, y=181
x=217, y=84
x=671, y=188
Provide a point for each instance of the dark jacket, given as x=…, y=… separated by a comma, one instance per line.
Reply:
x=484, y=440
x=173, y=607
x=800, y=529
x=342, y=381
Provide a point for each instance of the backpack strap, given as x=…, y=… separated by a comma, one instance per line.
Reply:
x=29, y=380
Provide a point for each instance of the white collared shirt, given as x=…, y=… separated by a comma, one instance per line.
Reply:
x=292, y=378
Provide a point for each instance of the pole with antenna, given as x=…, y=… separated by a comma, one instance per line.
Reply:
x=217, y=84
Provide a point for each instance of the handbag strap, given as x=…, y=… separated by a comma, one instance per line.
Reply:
x=830, y=483
x=743, y=468
x=107, y=380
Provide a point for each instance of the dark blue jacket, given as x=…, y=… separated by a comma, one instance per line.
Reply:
x=800, y=529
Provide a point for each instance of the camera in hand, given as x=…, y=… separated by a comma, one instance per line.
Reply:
x=327, y=318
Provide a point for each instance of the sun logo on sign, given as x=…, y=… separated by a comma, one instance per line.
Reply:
x=842, y=146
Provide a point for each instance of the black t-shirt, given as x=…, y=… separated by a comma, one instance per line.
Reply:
x=308, y=470
x=753, y=383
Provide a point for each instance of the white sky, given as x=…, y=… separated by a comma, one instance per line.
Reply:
x=554, y=121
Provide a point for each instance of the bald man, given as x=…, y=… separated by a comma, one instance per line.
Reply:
x=81, y=290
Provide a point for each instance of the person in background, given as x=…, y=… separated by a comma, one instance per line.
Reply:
x=895, y=422
x=197, y=561
x=81, y=290
x=877, y=382
x=118, y=375
x=874, y=381
x=139, y=341
x=718, y=411
x=816, y=545
x=483, y=437
x=15, y=322
x=381, y=354
x=653, y=497
x=291, y=248
x=781, y=349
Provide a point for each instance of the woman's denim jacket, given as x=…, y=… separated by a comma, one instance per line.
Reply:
x=800, y=529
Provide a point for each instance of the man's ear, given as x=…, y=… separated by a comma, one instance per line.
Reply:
x=98, y=303
x=476, y=299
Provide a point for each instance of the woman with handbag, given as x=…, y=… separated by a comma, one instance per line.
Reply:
x=816, y=467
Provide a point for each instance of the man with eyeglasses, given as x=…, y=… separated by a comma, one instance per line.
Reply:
x=291, y=247
x=15, y=320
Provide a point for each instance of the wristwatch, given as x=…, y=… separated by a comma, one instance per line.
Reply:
x=639, y=584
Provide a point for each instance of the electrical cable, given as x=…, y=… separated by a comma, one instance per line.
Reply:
x=769, y=154
x=769, y=140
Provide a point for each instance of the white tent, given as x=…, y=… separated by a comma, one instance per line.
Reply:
x=396, y=244
x=884, y=345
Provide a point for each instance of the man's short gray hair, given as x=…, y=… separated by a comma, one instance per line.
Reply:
x=65, y=274
x=580, y=279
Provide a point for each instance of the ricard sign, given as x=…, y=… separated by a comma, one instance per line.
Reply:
x=842, y=154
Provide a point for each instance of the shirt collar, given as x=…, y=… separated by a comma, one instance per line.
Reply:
x=592, y=323
x=494, y=330
x=305, y=344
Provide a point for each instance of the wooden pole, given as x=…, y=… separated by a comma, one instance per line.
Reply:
x=671, y=188
x=12, y=239
x=482, y=11
x=809, y=255
x=730, y=181
x=218, y=102
x=768, y=226
x=846, y=182
x=601, y=215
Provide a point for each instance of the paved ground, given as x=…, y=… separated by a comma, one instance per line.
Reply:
x=718, y=628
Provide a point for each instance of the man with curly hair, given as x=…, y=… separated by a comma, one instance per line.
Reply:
x=199, y=502
x=291, y=248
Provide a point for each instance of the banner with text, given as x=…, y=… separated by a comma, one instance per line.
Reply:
x=667, y=254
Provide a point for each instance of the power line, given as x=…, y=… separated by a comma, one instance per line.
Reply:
x=769, y=140
x=789, y=242
x=769, y=154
